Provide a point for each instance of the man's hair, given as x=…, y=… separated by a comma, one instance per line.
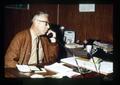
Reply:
x=39, y=13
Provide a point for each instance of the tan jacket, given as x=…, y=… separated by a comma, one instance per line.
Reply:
x=19, y=50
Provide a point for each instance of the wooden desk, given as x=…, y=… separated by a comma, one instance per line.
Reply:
x=15, y=77
x=14, y=73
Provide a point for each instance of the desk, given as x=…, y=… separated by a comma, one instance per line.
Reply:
x=16, y=77
x=14, y=73
x=101, y=67
x=69, y=62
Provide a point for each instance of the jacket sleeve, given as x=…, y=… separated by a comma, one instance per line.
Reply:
x=53, y=52
x=50, y=51
x=12, y=53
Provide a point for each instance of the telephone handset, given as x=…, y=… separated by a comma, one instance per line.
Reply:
x=51, y=35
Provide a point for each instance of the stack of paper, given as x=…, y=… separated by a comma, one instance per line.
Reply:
x=73, y=45
x=23, y=68
x=69, y=74
x=106, y=67
x=61, y=70
x=103, y=67
x=26, y=68
x=57, y=68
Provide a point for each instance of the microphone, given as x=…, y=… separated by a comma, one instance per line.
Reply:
x=89, y=49
x=62, y=28
x=78, y=67
x=99, y=65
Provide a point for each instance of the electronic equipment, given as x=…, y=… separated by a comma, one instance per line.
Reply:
x=69, y=36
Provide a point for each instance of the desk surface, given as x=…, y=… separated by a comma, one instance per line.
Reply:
x=14, y=73
x=101, y=67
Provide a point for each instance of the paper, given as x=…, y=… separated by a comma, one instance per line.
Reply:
x=73, y=45
x=34, y=68
x=23, y=68
x=87, y=7
x=61, y=70
x=57, y=68
x=37, y=70
x=36, y=76
x=103, y=67
x=26, y=68
x=68, y=74
x=106, y=67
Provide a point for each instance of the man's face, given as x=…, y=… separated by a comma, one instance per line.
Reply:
x=41, y=25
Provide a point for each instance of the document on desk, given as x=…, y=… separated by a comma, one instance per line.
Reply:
x=104, y=67
x=23, y=68
x=73, y=45
x=57, y=68
x=61, y=70
x=26, y=68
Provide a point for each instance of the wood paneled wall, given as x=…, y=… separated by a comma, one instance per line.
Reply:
x=91, y=25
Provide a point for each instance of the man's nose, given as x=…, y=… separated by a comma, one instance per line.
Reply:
x=48, y=26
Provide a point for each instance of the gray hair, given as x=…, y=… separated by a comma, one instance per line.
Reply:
x=40, y=13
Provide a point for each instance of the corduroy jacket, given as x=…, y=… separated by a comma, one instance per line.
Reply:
x=19, y=50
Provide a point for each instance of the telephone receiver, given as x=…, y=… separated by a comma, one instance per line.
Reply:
x=50, y=37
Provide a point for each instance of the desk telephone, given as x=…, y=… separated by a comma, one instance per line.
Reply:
x=100, y=50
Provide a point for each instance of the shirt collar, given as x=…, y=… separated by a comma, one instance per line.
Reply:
x=33, y=34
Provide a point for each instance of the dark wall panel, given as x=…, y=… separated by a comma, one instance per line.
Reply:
x=89, y=25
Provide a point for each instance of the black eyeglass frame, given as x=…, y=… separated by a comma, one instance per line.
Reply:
x=46, y=23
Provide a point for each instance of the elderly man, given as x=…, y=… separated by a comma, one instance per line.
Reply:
x=25, y=49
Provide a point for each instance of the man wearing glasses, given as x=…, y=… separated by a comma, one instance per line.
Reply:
x=23, y=49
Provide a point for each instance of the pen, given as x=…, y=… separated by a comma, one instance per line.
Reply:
x=39, y=68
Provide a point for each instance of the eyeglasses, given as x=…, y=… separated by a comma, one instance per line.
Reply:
x=46, y=23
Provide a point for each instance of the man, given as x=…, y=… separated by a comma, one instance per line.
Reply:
x=23, y=47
